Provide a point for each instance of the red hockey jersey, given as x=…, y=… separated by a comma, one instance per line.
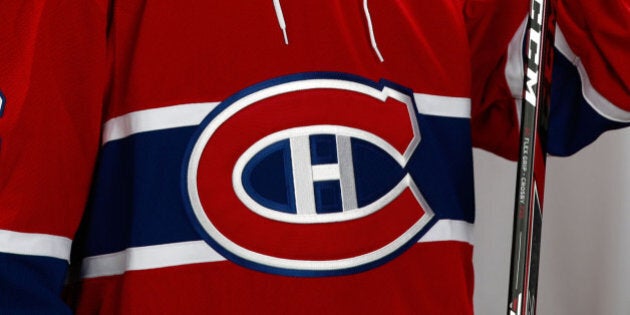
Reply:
x=247, y=156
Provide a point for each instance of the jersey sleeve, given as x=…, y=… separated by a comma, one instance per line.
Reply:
x=52, y=82
x=591, y=75
x=495, y=33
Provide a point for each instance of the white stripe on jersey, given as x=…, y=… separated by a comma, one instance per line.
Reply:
x=443, y=106
x=35, y=244
x=192, y=114
x=149, y=257
x=156, y=119
x=185, y=253
x=514, y=71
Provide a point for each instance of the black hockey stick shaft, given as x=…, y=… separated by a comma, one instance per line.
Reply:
x=531, y=164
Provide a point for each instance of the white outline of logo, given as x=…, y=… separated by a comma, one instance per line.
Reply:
x=311, y=265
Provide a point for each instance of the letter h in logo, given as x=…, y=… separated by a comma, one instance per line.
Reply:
x=323, y=173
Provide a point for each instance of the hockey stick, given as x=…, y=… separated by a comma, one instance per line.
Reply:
x=531, y=164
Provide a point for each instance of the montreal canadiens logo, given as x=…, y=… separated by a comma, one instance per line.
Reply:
x=306, y=175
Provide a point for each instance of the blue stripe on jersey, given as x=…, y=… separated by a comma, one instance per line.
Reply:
x=32, y=285
x=573, y=123
x=136, y=200
x=446, y=177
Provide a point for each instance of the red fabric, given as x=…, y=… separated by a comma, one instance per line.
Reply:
x=491, y=26
x=53, y=75
x=399, y=287
x=225, y=46
x=68, y=66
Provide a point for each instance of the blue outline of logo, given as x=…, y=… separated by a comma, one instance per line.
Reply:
x=272, y=269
